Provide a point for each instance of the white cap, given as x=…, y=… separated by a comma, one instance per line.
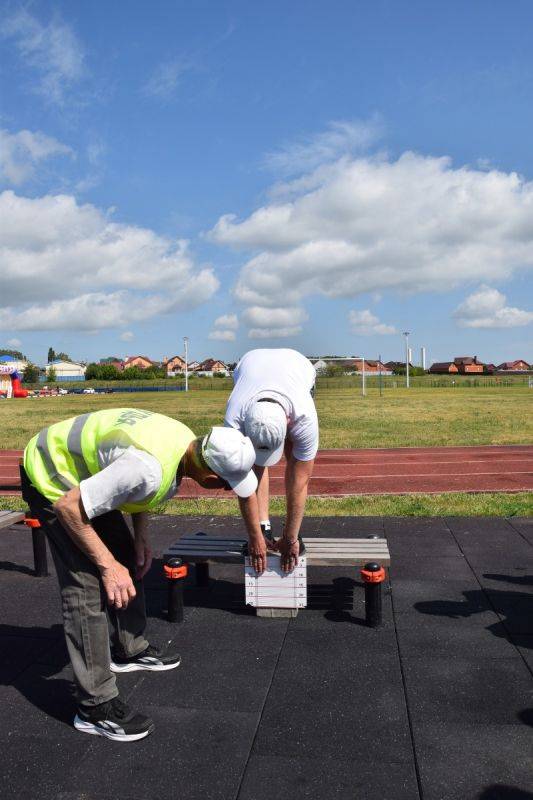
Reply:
x=266, y=425
x=231, y=456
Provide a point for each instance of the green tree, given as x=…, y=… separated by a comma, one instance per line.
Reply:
x=31, y=373
x=51, y=355
x=63, y=357
x=51, y=375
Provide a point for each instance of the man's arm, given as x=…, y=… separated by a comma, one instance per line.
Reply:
x=297, y=476
x=256, y=541
x=143, y=549
x=115, y=576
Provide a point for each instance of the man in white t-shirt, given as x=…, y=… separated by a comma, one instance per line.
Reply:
x=272, y=404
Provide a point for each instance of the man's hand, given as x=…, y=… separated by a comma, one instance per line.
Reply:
x=258, y=553
x=143, y=557
x=289, y=552
x=118, y=585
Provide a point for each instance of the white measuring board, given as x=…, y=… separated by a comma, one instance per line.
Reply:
x=275, y=588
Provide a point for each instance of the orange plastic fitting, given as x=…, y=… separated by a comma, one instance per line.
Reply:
x=172, y=573
x=373, y=577
x=32, y=523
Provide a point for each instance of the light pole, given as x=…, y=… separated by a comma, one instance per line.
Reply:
x=406, y=334
x=186, y=346
x=363, y=384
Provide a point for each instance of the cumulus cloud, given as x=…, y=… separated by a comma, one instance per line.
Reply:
x=21, y=152
x=367, y=324
x=274, y=323
x=486, y=308
x=52, y=50
x=415, y=224
x=224, y=328
x=127, y=336
x=309, y=152
x=165, y=79
x=14, y=342
x=64, y=265
x=222, y=336
x=274, y=333
x=227, y=321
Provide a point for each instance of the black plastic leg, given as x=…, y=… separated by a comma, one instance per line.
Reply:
x=373, y=575
x=202, y=574
x=176, y=572
x=39, y=553
x=373, y=604
x=175, y=600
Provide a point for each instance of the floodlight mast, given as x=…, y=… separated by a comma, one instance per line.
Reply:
x=406, y=334
x=186, y=346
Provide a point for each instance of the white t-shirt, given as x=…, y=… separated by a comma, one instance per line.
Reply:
x=286, y=376
x=128, y=475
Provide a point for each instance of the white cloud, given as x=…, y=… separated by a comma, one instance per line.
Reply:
x=227, y=321
x=341, y=138
x=21, y=152
x=53, y=50
x=64, y=265
x=222, y=336
x=127, y=336
x=274, y=323
x=365, y=225
x=14, y=342
x=486, y=308
x=165, y=79
x=367, y=324
x=274, y=333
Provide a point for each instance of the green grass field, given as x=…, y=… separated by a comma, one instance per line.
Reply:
x=400, y=418
x=421, y=416
x=490, y=504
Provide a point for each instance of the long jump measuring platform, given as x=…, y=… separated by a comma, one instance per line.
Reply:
x=400, y=470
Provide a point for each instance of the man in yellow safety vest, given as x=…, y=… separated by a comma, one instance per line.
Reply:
x=77, y=478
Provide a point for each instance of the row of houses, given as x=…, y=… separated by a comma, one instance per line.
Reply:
x=461, y=365
x=471, y=365
x=173, y=366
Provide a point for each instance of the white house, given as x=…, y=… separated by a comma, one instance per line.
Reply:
x=67, y=370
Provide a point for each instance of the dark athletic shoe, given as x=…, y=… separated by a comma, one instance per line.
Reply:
x=150, y=659
x=115, y=720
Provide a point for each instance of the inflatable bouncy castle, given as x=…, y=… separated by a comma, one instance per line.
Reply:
x=10, y=382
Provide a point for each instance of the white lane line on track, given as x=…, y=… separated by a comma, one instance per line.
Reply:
x=405, y=475
x=421, y=463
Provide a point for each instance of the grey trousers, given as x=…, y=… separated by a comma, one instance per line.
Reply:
x=87, y=619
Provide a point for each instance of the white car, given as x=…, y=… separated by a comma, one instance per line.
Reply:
x=89, y=391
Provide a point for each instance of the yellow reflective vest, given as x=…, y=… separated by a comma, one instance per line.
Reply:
x=62, y=455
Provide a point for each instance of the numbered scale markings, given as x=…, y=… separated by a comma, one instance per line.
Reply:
x=274, y=588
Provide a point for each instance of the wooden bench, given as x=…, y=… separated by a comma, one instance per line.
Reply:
x=8, y=518
x=371, y=553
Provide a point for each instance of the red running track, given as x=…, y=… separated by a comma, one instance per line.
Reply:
x=399, y=470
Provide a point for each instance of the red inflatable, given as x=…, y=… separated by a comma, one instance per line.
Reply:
x=15, y=389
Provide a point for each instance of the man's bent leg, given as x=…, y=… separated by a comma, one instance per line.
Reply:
x=83, y=604
x=128, y=624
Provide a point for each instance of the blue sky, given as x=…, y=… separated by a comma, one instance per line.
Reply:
x=314, y=175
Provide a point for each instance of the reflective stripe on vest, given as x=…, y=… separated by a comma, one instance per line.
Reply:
x=53, y=474
x=74, y=446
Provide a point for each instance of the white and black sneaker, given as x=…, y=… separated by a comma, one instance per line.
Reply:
x=150, y=659
x=113, y=719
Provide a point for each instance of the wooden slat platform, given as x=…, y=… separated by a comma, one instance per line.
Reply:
x=319, y=552
x=8, y=518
